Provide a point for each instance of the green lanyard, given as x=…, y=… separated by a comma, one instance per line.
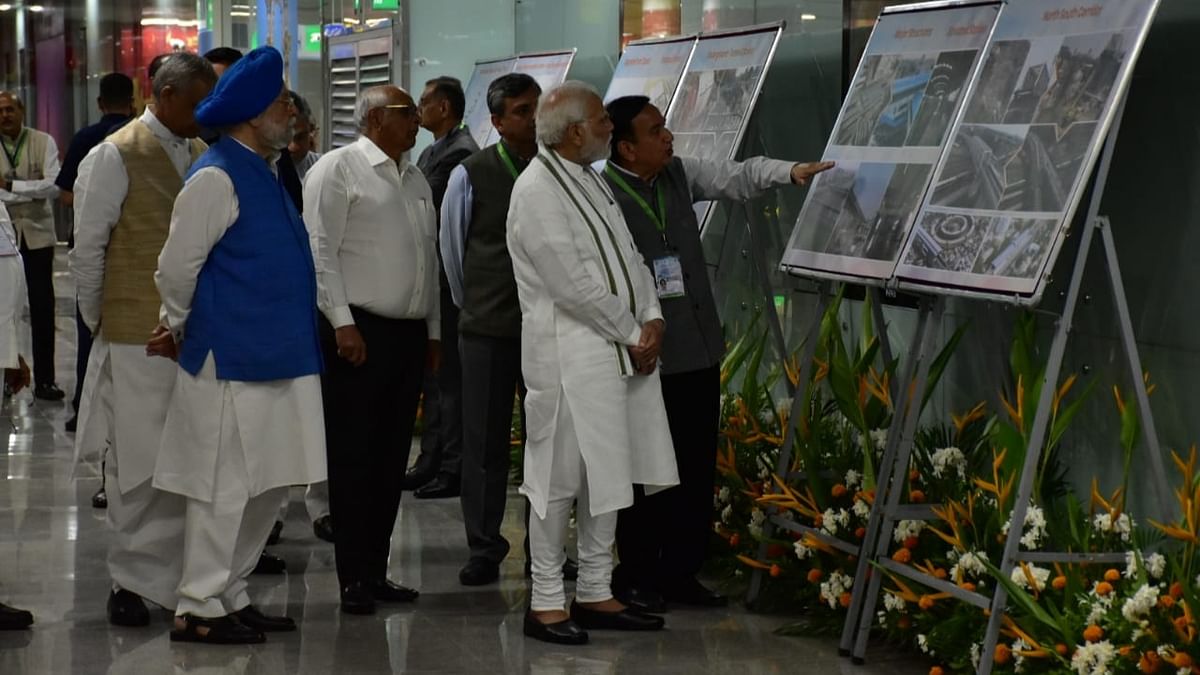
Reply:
x=14, y=158
x=660, y=218
x=512, y=168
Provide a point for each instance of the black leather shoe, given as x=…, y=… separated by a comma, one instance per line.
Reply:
x=626, y=619
x=386, y=591
x=224, y=630
x=255, y=619
x=70, y=425
x=357, y=598
x=442, y=487
x=269, y=564
x=479, y=572
x=570, y=570
x=421, y=472
x=691, y=592
x=48, y=391
x=12, y=618
x=641, y=599
x=276, y=530
x=100, y=499
x=125, y=608
x=323, y=528
x=562, y=633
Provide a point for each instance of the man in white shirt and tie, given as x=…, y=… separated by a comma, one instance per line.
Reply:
x=124, y=195
x=370, y=217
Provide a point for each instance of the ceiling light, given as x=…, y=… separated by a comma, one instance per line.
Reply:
x=5, y=7
x=808, y=17
x=36, y=8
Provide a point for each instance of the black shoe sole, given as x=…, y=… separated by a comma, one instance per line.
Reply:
x=184, y=636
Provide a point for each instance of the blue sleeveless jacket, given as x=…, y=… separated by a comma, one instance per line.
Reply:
x=255, y=306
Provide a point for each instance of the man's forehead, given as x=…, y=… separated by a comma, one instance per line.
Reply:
x=7, y=101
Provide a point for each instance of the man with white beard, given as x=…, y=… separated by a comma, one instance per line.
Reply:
x=590, y=335
x=239, y=295
x=123, y=196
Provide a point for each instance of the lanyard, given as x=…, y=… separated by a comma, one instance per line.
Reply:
x=512, y=168
x=659, y=218
x=14, y=157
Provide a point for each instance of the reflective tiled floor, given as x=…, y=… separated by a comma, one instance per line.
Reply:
x=52, y=549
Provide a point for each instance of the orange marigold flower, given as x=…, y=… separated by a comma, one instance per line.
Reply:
x=838, y=490
x=734, y=539
x=1112, y=575
x=1176, y=590
x=1125, y=651
x=914, y=475
x=844, y=600
x=776, y=570
x=926, y=603
x=916, y=497
x=937, y=670
x=1181, y=660
x=814, y=575
x=1059, y=582
x=1003, y=654
x=910, y=543
x=860, y=532
x=940, y=573
x=1103, y=588
x=903, y=556
x=1149, y=663
x=1166, y=601
x=1061, y=649
x=1093, y=633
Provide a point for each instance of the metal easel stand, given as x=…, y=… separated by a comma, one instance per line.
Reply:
x=783, y=466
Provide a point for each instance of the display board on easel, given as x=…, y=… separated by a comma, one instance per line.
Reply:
x=720, y=86
x=475, y=113
x=651, y=68
x=548, y=68
x=1024, y=147
x=910, y=86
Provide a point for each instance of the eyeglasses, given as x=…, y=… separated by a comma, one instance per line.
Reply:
x=406, y=108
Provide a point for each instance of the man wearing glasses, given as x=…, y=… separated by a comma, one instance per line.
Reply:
x=370, y=217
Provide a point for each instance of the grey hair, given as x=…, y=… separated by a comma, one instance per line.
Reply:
x=12, y=95
x=370, y=99
x=562, y=106
x=180, y=71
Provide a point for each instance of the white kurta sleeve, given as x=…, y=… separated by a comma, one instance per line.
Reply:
x=326, y=210
x=100, y=190
x=14, y=302
x=204, y=209
x=538, y=223
x=731, y=179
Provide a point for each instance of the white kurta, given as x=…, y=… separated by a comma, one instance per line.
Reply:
x=14, y=301
x=124, y=402
x=280, y=423
x=578, y=317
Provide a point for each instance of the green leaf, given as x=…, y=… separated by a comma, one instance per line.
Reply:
x=1066, y=414
x=1026, y=602
x=938, y=366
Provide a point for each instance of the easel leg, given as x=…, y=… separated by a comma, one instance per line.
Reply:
x=774, y=324
x=789, y=434
x=933, y=307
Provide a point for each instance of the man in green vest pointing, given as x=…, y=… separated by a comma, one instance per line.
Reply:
x=662, y=538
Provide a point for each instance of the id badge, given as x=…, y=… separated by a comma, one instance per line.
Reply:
x=668, y=277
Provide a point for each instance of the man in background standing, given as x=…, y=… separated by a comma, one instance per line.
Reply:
x=28, y=168
x=438, y=468
x=301, y=148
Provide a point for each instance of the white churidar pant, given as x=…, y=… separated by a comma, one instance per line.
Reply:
x=547, y=536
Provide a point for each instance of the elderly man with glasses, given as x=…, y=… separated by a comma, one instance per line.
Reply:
x=370, y=217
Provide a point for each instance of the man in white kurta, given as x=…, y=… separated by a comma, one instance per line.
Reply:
x=123, y=198
x=591, y=328
x=13, y=304
x=238, y=290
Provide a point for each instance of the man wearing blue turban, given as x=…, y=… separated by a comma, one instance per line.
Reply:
x=239, y=295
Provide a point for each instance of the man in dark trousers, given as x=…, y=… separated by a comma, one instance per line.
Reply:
x=436, y=473
x=480, y=274
x=662, y=539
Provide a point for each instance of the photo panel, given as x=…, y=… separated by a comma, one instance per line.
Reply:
x=983, y=169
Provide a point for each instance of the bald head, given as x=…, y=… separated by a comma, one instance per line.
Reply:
x=388, y=116
x=572, y=121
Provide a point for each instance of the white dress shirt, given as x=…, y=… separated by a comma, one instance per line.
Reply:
x=100, y=191
x=372, y=227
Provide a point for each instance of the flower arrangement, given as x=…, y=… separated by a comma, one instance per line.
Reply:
x=1138, y=616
